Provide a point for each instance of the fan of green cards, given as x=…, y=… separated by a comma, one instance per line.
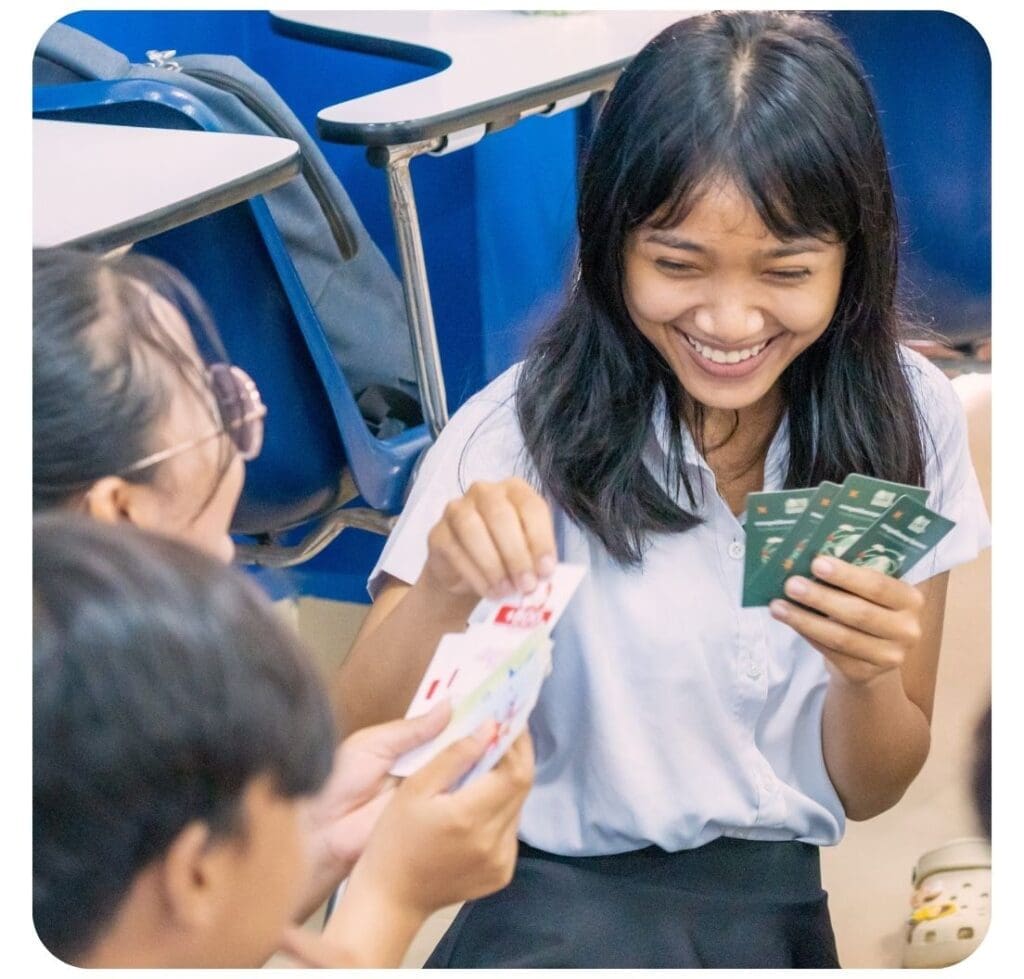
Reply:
x=865, y=521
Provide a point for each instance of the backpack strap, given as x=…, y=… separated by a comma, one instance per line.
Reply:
x=66, y=55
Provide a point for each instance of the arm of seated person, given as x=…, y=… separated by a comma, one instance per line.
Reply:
x=431, y=848
x=495, y=539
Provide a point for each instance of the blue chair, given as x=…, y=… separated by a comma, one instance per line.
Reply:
x=322, y=469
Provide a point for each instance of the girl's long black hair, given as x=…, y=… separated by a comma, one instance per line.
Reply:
x=778, y=104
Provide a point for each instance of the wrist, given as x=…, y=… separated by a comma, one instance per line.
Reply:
x=440, y=600
x=883, y=681
x=327, y=870
x=373, y=922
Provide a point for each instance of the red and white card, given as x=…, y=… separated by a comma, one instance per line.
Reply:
x=541, y=607
x=493, y=670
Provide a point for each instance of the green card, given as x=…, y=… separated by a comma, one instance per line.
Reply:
x=770, y=517
x=766, y=583
x=899, y=538
x=860, y=503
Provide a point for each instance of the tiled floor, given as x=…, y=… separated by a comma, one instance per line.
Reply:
x=868, y=874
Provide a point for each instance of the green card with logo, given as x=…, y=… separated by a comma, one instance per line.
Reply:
x=871, y=522
x=770, y=517
x=899, y=538
x=766, y=583
x=861, y=501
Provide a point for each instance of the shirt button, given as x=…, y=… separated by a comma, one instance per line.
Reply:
x=753, y=671
x=736, y=550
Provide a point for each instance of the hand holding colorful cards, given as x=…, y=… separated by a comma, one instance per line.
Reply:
x=493, y=670
x=867, y=522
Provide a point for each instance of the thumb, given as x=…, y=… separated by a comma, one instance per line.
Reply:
x=392, y=740
x=442, y=772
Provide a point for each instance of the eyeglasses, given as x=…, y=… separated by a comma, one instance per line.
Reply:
x=241, y=417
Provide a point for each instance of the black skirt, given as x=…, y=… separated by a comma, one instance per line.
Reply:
x=728, y=904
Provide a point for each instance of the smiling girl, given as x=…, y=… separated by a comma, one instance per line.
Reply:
x=732, y=327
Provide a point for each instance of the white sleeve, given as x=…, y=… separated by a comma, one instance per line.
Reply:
x=950, y=475
x=481, y=441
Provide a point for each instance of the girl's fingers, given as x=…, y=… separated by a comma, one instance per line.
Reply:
x=833, y=635
x=444, y=543
x=498, y=538
x=538, y=528
x=505, y=525
x=871, y=585
x=472, y=533
x=843, y=607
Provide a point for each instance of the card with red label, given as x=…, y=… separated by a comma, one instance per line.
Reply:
x=449, y=664
x=494, y=674
x=541, y=608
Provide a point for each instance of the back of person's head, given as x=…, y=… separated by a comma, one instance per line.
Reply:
x=118, y=381
x=164, y=687
x=96, y=395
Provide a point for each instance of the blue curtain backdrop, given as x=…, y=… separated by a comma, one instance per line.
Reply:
x=497, y=219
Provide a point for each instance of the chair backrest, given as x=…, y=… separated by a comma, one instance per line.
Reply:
x=271, y=270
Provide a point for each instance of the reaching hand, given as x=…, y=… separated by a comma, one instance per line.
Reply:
x=341, y=817
x=430, y=848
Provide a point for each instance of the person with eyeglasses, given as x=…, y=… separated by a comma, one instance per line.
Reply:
x=129, y=423
x=132, y=426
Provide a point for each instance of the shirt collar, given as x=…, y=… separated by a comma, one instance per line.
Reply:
x=776, y=461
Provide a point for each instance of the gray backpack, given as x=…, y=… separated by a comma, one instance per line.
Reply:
x=356, y=295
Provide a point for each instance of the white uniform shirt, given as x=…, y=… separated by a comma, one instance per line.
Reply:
x=672, y=715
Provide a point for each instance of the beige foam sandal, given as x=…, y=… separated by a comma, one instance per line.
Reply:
x=950, y=904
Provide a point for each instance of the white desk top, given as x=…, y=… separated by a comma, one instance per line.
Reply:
x=500, y=63
x=113, y=185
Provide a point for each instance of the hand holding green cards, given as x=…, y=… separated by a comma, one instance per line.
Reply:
x=867, y=522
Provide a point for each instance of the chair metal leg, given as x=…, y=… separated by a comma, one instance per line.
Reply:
x=395, y=161
x=268, y=552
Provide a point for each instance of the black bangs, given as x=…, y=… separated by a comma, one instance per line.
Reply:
x=791, y=172
x=754, y=99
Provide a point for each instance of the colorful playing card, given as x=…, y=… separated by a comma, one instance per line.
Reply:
x=508, y=668
x=770, y=517
x=542, y=607
x=767, y=582
x=452, y=661
x=899, y=538
x=508, y=696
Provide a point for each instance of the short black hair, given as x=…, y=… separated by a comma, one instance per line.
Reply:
x=163, y=683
